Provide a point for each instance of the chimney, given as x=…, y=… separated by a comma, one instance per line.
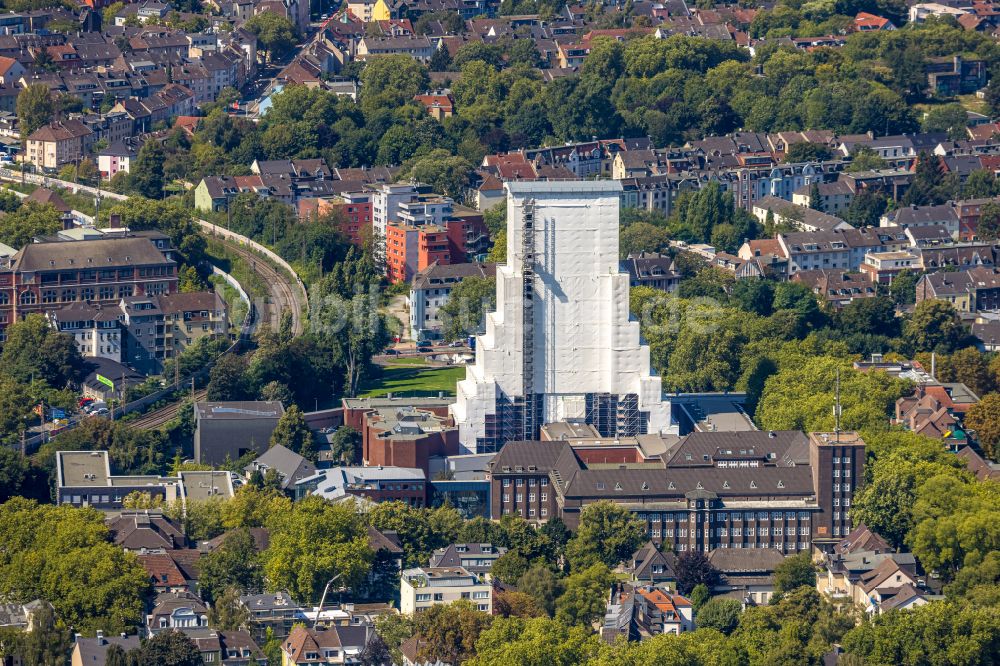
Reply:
x=67, y=222
x=115, y=221
x=100, y=638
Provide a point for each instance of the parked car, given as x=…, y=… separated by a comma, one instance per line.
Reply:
x=100, y=411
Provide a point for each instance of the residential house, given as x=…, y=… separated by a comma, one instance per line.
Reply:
x=176, y=610
x=116, y=157
x=837, y=287
x=476, y=558
x=438, y=105
x=95, y=329
x=418, y=47
x=834, y=198
x=865, y=22
x=922, y=216
x=57, y=143
x=145, y=530
x=288, y=465
x=324, y=645
x=93, y=651
x=421, y=588
x=653, y=566
x=53, y=274
x=652, y=270
x=638, y=612
x=956, y=75
x=226, y=648
x=803, y=218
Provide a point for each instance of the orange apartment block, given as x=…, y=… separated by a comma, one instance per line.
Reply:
x=410, y=249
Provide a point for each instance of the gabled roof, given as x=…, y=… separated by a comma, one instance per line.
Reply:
x=44, y=195
x=862, y=539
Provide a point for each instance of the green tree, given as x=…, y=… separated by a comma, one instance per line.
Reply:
x=64, y=554
x=146, y=175
x=869, y=316
x=354, y=330
x=815, y=198
x=14, y=470
x=18, y=228
x=312, y=543
x=344, y=445
x=34, y=108
x=446, y=173
x=274, y=32
x=984, y=419
x=34, y=350
x=801, y=395
x=228, y=380
x=227, y=613
x=293, y=433
x=865, y=159
x=989, y=222
x=48, y=641
x=391, y=82
x=699, y=596
x=950, y=118
x=535, y=642
x=170, y=648
x=970, y=367
x=583, y=600
x=542, y=585
x=903, y=288
x=720, y=614
x=795, y=571
x=394, y=629
x=509, y=567
x=934, y=326
x=235, y=564
x=608, y=533
x=448, y=632
x=642, y=237
x=980, y=184
x=116, y=656
x=901, y=462
x=466, y=306
x=945, y=633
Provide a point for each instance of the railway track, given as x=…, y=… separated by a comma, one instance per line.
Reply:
x=281, y=292
x=163, y=415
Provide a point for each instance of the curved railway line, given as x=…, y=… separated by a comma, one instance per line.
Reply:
x=162, y=416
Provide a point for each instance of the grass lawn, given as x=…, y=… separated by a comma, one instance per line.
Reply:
x=409, y=379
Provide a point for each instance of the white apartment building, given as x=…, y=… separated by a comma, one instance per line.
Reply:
x=421, y=588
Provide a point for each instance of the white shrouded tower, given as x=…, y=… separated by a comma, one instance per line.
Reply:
x=560, y=345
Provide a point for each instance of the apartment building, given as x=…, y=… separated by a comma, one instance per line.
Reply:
x=58, y=143
x=431, y=288
x=423, y=587
x=410, y=249
x=95, y=329
x=160, y=327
